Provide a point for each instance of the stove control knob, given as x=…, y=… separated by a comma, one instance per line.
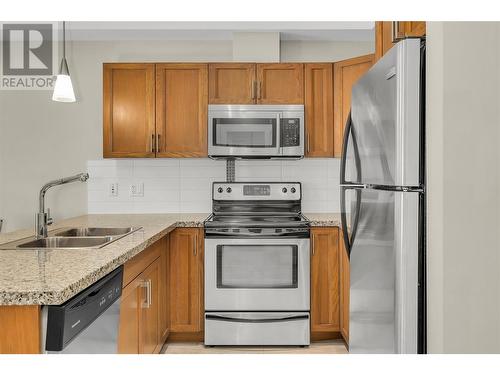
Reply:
x=229, y=189
x=284, y=190
x=293, y=190
x=220, y=190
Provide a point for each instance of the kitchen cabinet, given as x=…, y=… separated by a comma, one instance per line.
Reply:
x=319, y=110
x=345, y=75
x=186, y=281
x=164, y=321
x=155, y=110
x=140, y=310
x=181, y=110
x=325, y=280
x=280, y=83
x=21, y=330
x=344, y=289
x=128, y=110
x=273, y=83
x=232, y=83
x=384, y=33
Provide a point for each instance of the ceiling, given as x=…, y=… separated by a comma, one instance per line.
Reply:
x=305, y=31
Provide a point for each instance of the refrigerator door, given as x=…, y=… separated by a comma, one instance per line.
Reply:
x=385, y=113
x=384, y=271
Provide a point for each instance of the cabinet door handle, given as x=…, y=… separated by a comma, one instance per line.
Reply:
x=259, y=91
x=147, y=284
x=152, y=143
x=254, y=89
x=395, y=32
x=308, y=143
x=157, y=142
x=195, y=245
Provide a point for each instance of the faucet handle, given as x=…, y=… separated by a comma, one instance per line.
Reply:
x=49, y=219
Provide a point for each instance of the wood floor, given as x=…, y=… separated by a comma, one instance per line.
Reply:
x=320, y=347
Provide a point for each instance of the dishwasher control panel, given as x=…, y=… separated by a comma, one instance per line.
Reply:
x=66, y=321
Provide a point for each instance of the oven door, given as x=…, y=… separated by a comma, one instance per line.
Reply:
x=265, y=274
x=242, y=133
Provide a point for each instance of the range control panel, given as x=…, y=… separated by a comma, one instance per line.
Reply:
x=241, y=191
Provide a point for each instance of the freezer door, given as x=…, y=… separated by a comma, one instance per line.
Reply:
x=385, y=114
x=384, y=272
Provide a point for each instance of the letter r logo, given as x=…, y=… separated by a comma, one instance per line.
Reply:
x=27, y=49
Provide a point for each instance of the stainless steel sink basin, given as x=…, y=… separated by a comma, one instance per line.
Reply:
x=94, y=232
x=73, y=238
x=66, y=242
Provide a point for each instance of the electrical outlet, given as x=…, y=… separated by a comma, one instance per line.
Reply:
x=113, y=189
x=137, y=189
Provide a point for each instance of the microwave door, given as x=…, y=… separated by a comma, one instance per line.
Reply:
x=255, y=134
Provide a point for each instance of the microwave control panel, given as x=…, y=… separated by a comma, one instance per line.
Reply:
x=290, y=132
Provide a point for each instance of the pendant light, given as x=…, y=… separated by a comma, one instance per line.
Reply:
x=63, y=89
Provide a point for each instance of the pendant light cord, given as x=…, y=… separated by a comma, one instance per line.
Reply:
x=64, y=39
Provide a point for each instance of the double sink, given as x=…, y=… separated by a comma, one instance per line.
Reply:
x=73, y=238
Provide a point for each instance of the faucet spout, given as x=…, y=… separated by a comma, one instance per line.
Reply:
x=42, y=218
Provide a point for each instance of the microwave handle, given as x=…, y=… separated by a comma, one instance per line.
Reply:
x=278, y=136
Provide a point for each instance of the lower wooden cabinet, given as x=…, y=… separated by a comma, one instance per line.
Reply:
x=142, y=301
x=344, y=289
x=186, y=281
x=325, y=270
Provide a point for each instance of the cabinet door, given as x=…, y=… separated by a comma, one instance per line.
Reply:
x=325, y=293
x=344, y=289
x=232, y=83
x=164, y=290
x=181, y=110
x=128, y=110
x=345, y=75
x=150, y=309
x=319, y=110
x=186, y=275
x=280, y=83
x=130, y=306
x=384, y=33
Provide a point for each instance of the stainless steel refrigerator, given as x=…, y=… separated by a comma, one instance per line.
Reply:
x=383, y=204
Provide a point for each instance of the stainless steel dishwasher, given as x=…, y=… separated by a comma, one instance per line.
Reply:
x=88, y=322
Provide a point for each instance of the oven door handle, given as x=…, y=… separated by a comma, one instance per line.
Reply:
x=267, y=320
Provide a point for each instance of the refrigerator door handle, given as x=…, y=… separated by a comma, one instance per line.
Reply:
x=349, y=130
x=348, y=242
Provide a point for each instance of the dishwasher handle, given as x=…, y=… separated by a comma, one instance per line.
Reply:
x=65, y=322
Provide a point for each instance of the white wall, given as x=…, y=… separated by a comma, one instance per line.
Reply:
x=41, y=140
x=303, y=51
x=184, y=185
x=463, y=187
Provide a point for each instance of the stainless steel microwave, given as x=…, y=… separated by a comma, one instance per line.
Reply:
x=256, y=131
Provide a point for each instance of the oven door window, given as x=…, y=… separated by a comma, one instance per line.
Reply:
x=245, y=132
x=257, y=266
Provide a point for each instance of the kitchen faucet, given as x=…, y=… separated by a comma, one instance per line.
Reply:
x=42, y=218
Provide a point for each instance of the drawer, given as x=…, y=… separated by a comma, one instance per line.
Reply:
x=259, y=328
x=139, y=263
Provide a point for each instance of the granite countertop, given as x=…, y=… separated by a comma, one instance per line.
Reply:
x=51, y=277
x=329, y=219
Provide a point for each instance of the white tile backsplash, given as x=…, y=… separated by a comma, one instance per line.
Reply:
x=184, y=185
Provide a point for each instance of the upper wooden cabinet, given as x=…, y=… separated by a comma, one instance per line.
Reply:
x=181, y=110
x=155, y=110
x=319, y=110
x=280, y=83
x=128, y=110
x=325, y=280
x=345, y=74
x=232, y=83
x=386, y=31
x=241, y=83
x=186, y=280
